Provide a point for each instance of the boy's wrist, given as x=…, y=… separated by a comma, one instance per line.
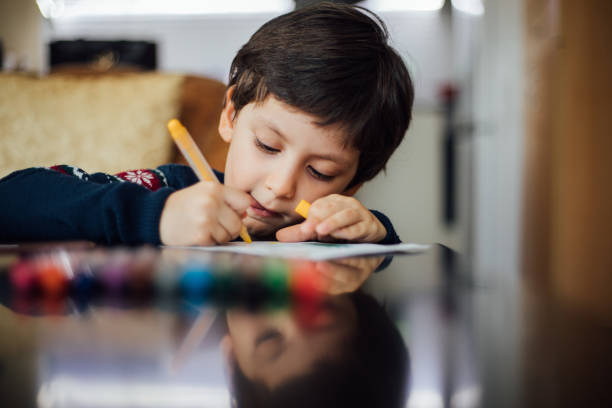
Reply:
x=381, y=231
x=390, y=236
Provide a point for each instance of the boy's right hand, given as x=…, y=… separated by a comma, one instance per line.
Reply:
x=205, y=213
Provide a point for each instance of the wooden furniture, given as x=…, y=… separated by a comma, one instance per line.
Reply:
x=568, y=195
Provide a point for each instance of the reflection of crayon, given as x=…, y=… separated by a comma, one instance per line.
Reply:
x=196, y=160
x=306, y=284
x=196, y=281
x=302, y=208
x=126, y=274
x=23, y=277
x=307, y=291
x=52, y=279
x=83, y=284
x=140, y=276
x=275, y=278
x=225, y=289
x=112, y=277
x=164, y=278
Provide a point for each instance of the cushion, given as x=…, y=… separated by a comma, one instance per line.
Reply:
x=99, y=123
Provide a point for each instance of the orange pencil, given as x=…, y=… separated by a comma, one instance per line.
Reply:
x=196, y=160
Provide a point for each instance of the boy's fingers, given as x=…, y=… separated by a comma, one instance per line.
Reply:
x=238, y=200
x=324, y=207
x=309, y=226
x=336, y=271
x=342, y=219
x=220, y=234
x=294, y=233
x=351, y=232
x=342, y=278
x=230, y=220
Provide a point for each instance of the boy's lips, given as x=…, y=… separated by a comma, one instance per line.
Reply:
x=262, y=211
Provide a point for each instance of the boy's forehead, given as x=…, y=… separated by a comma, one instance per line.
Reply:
x=275, y=114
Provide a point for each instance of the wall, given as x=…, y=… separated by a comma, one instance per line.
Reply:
x=21, y=33
x=410, y=191
x=206, y=44
x=498, y=143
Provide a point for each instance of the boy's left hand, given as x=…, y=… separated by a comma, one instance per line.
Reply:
x=336, y=218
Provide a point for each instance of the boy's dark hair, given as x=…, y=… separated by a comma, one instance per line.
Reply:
x=373, y=372
x=331, y=61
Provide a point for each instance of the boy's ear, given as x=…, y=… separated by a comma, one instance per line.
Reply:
x=226, y=121
x=351, y=191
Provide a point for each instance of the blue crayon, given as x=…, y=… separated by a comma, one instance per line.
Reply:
x=84, y=283
x=196, y=281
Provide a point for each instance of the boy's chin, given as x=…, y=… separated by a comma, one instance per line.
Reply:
x=263, y=237
x=260, y=231
x=263, y=231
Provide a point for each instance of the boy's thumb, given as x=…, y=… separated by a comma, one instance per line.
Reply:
x=238, y=200
x=295, y=233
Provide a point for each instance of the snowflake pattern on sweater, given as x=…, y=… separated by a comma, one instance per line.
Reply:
x=151, y=179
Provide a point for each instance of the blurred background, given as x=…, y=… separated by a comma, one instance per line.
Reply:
x=507, y=160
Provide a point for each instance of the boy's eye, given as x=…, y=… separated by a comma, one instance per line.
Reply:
x=264, y=147
x=271, y=150
x=319, y=175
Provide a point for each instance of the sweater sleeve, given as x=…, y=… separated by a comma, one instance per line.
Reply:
x=65, y=203
x=391, y=237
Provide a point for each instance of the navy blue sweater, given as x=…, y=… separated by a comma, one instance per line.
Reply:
x=65, y=203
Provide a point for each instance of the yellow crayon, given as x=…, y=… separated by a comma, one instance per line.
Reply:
x=196, y=160
x=302, y=208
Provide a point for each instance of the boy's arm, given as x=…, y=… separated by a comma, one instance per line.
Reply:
x=65, y=203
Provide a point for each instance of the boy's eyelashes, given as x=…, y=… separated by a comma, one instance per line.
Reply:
x=264, y=147
x=318, y=175
x=271, y=150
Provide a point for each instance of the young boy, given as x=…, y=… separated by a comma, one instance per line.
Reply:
x=316, y=104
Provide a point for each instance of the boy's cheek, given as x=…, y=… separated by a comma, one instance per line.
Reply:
x=234, y=179
x=237, y=173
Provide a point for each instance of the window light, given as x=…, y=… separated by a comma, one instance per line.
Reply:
x=474, y=7
x=402, y=5
x=99, y=8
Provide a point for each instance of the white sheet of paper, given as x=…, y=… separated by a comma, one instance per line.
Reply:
x=315, y=251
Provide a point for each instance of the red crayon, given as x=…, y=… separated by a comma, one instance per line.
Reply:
x=52, y=278
x=23, y=276
x=306, y=283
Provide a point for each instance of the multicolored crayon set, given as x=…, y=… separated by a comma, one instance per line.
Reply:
x=146, y=274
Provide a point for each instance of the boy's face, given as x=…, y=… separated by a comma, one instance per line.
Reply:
x=273, y=348
x=280, y=156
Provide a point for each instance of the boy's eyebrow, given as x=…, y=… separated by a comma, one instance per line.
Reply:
x=329, y=157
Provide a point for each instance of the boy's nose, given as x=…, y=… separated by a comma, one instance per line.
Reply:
x=282, y=183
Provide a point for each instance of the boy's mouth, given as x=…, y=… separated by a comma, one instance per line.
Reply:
x=262, y=211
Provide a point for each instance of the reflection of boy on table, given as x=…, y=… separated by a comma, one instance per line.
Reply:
x=316, y=104
x=350, y=355
x=326, y=350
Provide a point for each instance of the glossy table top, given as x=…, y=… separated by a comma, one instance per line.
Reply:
x=421, y=332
